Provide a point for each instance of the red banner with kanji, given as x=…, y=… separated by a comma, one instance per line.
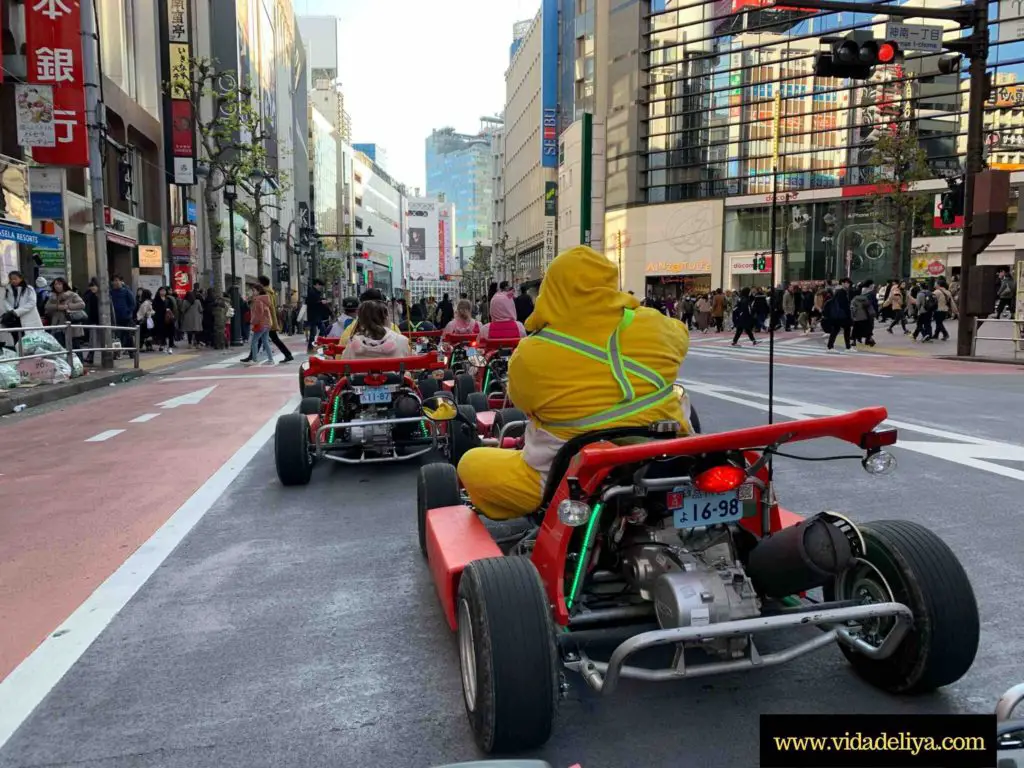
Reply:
x=53, y=36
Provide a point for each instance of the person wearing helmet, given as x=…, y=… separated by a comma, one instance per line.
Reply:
x=370, y=294
x=349, y=310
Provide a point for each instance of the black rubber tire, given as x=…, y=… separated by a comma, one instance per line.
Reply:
x=464, y=385
x=927, y=577
x=504, y=416
x=303, y=368
x=463, y=437
x=695, y=420
x=437, y=486
x=478, y=400
x=292, y=457
x=310, y=406
x=317, y=390
x=428, y=387
x=514, y=648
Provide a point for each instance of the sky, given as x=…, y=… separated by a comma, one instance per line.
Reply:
x=409, y=66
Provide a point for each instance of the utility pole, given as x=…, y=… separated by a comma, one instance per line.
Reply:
x=95, y=113
x=975, y=48
x=974, y=164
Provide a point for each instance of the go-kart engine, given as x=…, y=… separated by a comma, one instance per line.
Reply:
x=693, y=582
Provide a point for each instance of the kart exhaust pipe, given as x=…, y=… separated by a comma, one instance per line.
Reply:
x=803, y=557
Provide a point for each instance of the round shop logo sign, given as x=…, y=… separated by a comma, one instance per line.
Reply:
x=936, y=268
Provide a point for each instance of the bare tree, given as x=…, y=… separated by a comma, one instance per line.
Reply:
x=232, y=140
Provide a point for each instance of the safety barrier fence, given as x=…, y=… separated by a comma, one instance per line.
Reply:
x=66, y=330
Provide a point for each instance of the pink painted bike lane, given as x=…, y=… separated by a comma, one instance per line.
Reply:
x=82, y=488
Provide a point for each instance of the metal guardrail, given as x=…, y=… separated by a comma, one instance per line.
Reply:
x=1015, y=338
x=66, y=329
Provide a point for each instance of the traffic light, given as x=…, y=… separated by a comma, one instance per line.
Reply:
x=951, y=204
x=854, y=56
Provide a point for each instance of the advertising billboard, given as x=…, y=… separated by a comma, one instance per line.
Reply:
x=549, y=84
x=446, y=262
x=422, y=238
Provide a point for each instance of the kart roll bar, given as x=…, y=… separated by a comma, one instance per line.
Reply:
x=423, y=334
x=424, y=362
x=849, y=427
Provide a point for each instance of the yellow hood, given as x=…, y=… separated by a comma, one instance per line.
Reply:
x=579, y=284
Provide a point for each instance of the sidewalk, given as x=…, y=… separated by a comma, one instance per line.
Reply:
x=124, y=371
x=897, y=343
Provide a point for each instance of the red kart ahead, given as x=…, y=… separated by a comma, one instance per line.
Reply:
x=485, y=384
x=680, y=542
x=372, y=412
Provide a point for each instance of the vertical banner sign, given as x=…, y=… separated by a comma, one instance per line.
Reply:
x=549, y=84
x=53, y=36
x=441, y=265
x=587, y=175
x=179, y=130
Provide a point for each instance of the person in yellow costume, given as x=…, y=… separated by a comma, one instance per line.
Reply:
x=370, y=294
x=595, y=359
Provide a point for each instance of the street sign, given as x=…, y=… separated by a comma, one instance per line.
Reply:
x=914, y=37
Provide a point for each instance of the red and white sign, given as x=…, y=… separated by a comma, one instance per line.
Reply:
x=53, y=36
x=181, y=280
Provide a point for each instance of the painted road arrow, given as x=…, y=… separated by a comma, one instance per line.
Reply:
x=192, y=398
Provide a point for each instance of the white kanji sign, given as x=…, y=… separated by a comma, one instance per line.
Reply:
x=52, y=9
x=55, y=65
x=66, y=120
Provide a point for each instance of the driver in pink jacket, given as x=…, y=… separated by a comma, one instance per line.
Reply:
x=503, y=323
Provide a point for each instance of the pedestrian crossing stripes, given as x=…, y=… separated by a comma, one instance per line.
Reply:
x=787, y=348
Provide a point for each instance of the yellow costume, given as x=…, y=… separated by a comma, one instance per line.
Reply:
x=596, y=360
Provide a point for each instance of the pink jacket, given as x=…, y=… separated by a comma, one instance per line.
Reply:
x=462, y=327
x=259, y=313
x=503, y=323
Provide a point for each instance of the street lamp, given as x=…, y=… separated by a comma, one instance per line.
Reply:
x=230, y=195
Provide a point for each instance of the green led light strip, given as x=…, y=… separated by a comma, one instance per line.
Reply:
x=581, y=564
x=334, y=417
x=487, y=379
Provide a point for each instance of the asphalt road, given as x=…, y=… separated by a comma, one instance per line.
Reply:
x=300, y=626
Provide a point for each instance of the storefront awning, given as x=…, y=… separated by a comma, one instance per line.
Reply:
x=28, y=237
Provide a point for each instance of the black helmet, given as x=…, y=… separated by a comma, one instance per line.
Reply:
x=350, y=304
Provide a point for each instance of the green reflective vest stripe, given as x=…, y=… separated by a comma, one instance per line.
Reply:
x=620, y=366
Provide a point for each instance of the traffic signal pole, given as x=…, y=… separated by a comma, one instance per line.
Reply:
x=975, y=48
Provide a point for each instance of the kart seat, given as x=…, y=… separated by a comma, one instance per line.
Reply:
x=359, y=379
x=560, y=465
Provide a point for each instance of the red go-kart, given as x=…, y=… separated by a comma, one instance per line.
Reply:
x=372, y=412
x=680, y=542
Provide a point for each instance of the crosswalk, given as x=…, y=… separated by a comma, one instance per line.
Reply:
x=235, y=361
x=802, y=346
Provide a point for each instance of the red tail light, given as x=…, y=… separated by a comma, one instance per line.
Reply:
x=472, y=343
x=872, y=441
x=720, y=479
x=375, y=380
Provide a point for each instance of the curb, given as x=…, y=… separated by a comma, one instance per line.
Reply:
x=979, y=359
x=52, y=393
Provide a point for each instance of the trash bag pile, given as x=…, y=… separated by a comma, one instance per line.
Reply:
x=49, y=370
x=9, y=376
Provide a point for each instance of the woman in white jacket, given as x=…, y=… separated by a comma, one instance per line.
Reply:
x=18, y=308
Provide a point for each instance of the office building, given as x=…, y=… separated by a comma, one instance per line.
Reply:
x=376, y=226
x=459, y=167
x=375, y=152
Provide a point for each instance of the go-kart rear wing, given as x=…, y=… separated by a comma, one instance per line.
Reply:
x=425, y=362
x=490, y=345
x=459, y=338
x=856, y=427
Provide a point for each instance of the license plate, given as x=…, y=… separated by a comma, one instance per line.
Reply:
x=694, y=509
x=375, y=396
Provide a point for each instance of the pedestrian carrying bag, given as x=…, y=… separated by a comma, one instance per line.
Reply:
x=78, y=316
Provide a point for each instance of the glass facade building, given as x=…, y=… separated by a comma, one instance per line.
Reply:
x=323, y=171
x=459, y=167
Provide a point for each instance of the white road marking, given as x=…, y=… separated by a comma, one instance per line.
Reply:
x=702, y=353
x=104, y=436
x=144, y=418
x=30, y=682
x=965, y=450
x=214, y=377
x=190, y=398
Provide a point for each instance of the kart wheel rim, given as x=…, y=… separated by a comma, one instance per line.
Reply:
x=863, y=582
x=467, y=656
